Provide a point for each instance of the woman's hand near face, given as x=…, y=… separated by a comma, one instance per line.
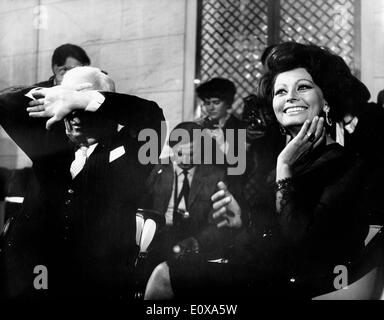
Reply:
x=310, y=136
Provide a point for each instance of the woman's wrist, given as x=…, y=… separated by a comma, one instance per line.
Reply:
x=283, y=170
x=284, y=184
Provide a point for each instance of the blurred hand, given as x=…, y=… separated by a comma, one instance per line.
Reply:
x=189, y=245
x=57, y=102
x=226, y=208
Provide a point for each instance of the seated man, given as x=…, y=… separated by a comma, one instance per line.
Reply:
x=181, y=190
x=159, y=286
x=80, y=224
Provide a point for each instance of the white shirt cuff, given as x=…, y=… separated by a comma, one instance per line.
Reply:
x=30, y=92
x=96, y=102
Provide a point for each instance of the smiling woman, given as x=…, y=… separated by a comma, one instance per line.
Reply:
x=296, y=98
x=317, y=221
x=320, y=69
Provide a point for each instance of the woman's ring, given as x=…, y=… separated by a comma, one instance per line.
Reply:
x=311, y=137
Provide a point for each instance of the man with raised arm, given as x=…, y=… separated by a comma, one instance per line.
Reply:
x=80, y=223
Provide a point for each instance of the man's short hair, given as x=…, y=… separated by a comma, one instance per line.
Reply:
x=64, y=51
x=92, y=75
x=221, y=88
x=188, y=126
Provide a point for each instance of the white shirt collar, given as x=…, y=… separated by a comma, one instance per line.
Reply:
x=179, y=171
x=89, y=149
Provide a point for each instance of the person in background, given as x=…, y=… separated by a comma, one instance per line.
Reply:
x=181, y=191
x=217, y=96
x=64, y=58
x=188, y=210
x=360, y=132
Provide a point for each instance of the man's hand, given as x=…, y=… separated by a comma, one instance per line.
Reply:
x=186, y=246
x=226, y=207
x=57, y=102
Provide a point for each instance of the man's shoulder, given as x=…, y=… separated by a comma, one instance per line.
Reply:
x=161, y=168
x=47, y=83
x=158, y=173
x=14, y=96
x=15, y=89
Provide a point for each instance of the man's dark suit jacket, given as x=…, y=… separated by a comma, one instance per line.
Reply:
x=47, y=83
x=82, y=230
x=200, y=223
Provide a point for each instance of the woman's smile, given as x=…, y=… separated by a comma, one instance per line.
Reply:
x=294, y=110
x=296, y=98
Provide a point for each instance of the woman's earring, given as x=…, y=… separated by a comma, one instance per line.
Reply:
x=283, y=131
x=327, y=118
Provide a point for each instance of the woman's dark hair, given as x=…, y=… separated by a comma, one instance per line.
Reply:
x=265, y=53
x=69, y=50
x=221, y=88
x=340, y=88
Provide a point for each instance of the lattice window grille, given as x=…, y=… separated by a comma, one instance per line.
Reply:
x=233, y=36
x=234, y=33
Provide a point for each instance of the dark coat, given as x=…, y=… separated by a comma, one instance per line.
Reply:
x=323, y=225
x=367, y=141
x=83, y=230
x=323, y=222
x=46, y=84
